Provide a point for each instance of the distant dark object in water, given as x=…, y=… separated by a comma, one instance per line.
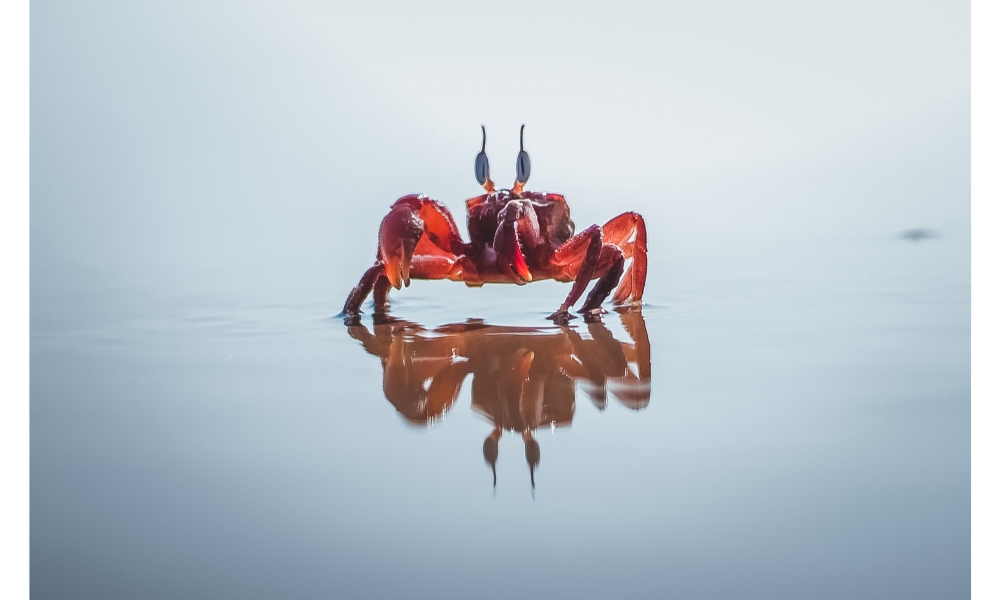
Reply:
x=917, y=235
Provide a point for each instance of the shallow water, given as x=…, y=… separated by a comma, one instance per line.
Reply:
x=801, y=429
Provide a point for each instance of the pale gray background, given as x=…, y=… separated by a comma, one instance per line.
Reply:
x=178, y=141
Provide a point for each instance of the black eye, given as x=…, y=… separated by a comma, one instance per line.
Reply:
x=523, y=166
x=482, y=168
x=482, y=162
x=523, y=162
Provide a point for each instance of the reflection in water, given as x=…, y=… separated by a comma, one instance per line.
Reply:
x=523, y=377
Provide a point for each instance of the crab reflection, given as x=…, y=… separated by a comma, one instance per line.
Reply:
x=523, y=378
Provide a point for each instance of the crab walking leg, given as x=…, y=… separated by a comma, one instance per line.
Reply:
x=582, y=250
x=590, y=257
x=618, y=231
x=609, y=268
x=380, y=294
x=364, y=287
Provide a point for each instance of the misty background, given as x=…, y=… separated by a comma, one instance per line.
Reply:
x=186, y=147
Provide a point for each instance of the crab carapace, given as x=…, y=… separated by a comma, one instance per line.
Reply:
x=515, y=236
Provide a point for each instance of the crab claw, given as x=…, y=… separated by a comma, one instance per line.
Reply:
x=509, y=256
x=397, y=238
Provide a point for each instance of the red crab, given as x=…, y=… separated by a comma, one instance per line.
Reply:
x=516, y=236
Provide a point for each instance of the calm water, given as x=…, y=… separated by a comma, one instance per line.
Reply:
x=786, y=422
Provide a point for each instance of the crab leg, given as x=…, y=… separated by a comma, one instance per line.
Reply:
x=583, y=249
x=364, y=287
x=380, y=294
x=590, y=257
x=617, y=231
x=609, y=269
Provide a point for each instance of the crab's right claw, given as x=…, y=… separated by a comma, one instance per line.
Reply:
x=397, y=238
x=509, y=256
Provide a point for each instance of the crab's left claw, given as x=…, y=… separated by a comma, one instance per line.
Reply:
x=411, y=219
x=397, y=238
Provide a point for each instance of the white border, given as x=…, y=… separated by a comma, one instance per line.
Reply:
x=14, y=303
x=14, y=299
x=985, y=300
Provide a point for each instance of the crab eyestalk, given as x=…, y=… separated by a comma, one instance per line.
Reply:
x=523, y=167
x=483, y=166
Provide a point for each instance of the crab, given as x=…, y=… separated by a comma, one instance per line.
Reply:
x=516, y=236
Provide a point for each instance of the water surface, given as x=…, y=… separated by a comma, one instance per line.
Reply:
x=787, y=422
